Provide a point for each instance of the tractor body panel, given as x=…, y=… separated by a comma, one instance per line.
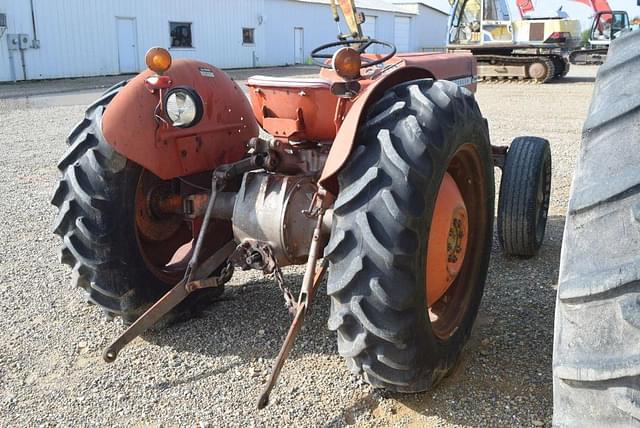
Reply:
x=297, y=109
x=305, y=109
x=460, y=68
x=133, y=126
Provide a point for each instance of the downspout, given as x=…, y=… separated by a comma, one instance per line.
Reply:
x=24, y=65
x=13, y=66
x=35, y=43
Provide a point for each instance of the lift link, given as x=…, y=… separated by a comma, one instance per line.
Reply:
x=197, y=274
x=183, y=288
x=310, y=284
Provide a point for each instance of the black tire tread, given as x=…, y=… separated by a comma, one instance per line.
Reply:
x=375, y=239
x=596, y=361
x=78, y=202
x=517, y=216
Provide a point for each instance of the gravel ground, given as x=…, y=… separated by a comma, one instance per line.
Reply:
x=209, y=371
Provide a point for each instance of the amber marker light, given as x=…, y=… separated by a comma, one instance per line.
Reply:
x=346, y=62
x=158, y=60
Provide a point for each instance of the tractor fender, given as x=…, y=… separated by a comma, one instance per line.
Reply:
x=131, y=127
x=345, y=138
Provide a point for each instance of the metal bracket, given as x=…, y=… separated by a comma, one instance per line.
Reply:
x=499, y=155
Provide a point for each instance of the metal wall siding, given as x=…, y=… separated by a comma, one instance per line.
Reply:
x=428, y=29
x=79, y=37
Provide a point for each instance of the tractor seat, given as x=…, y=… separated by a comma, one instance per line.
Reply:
x=300, y=109
x=289, y=82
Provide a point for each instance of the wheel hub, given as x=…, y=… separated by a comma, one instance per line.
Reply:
x=456, y=241
x=537, y=70
x=447, y=240
x=163, y=240
x=150, y=225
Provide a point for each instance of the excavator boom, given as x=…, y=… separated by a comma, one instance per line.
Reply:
x=351, y=16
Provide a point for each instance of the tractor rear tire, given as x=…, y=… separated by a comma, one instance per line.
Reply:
x=381, y=224
x=525, y=190
x=596, y=354
x=96, y=216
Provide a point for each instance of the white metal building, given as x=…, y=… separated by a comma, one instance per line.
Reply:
x=43, y=39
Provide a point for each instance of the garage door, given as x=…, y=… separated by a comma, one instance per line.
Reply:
x=369, y=26
x=401, y=33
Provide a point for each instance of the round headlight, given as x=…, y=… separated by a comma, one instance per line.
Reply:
x=183, y=107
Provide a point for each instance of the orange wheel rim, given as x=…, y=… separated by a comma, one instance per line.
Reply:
x=457, y=245
x=447, y=240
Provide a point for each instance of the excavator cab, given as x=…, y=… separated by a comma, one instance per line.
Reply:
x=464, y=27
x=477, y=22
x=607, y=26
x=496, y=22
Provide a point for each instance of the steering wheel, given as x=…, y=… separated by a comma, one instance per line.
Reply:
x=364, y=45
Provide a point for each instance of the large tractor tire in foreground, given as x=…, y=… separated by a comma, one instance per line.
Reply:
x=414, y=140
x=119, y=253
x=596, y=355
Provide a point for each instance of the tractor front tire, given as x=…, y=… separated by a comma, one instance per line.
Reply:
x=411, y=137
x=96, y=220
x=525, y=190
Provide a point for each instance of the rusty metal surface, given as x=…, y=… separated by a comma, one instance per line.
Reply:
x=444, y=66
x=293, y=108
x=163, y=240
x=154, y=228
x=195, y=205
x=130, y=126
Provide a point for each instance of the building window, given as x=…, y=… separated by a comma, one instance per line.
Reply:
x=248, y=36
x=180, y=34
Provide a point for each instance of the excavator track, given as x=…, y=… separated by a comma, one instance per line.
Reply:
x=561, y=64
x=521, y=68
x=589, y=56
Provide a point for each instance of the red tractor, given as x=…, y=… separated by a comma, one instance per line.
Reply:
x=381, y=166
